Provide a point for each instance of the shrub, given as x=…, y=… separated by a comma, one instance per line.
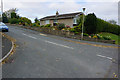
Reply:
x=42, y=26
x=91, y=35
x=67, y=26
x=107, y=37
x=33, y=24
x=95, y=36
x=24, y=20
x=85, y=34
x=13, y=21
x=99, y=37
x=72, y=30
x=76, y=32
x=77, y=28
x=61, y=26
x=48, y=25
x=104, y=26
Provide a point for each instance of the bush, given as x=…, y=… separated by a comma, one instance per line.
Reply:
x=61, y=26
x=104, y=26
x=85, y=34
x=13, y=21
x=67, y=26
x=99, y=37
x=42, y=26
x=47, y=25
x=33, y=24
x=77, y=28
x=107, y=37
x=72, y=30
x=24, y=20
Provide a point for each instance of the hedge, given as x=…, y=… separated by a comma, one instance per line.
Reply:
x=104, y=26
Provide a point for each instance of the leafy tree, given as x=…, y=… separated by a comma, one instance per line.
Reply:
x=90, y=23
x=24, y=20
x=13, y=15
x=4, y=18
x=112, y=21
x=36, y=20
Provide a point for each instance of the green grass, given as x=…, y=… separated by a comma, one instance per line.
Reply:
x=113, y=37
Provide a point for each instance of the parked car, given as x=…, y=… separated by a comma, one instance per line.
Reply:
x=3, y=27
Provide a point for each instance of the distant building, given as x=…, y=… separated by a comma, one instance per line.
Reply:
x=68, y=19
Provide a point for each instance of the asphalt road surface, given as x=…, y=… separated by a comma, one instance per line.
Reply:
x=6, y=46
x=46, y=56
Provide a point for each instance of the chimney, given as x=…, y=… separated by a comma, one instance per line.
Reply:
x=57, y=13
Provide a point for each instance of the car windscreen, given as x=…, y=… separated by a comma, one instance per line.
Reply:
x=2, y=24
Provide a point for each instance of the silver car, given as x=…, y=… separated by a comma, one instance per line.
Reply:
x=3, y=27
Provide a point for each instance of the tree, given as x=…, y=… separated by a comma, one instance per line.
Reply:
x=90, y=23
x=13, y=15
x=4, y=18
x=36, y=20
x=112, y=21
x=24, y=20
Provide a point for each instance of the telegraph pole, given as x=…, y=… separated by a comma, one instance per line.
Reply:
x=1, y=9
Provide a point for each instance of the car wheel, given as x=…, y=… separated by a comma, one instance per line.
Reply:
x=7, y=30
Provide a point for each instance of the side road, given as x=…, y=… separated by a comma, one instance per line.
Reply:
x=7, y=46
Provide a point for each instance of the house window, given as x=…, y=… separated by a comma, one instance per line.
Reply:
x=55, y=22
x=47, y=22
x=75, y=21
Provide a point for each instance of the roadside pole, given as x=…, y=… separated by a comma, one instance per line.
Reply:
x=1, y=9
x=83, y=23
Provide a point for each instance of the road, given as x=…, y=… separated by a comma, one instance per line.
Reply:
x=6, y=46
x=39, y=55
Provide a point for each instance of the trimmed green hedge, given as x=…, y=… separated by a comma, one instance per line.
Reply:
x=104, y=26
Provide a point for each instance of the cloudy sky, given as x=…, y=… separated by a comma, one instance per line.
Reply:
x=106, y=9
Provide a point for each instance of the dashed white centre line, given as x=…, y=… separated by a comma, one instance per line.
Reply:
x=29, y=36
x=59, y=44
x=105, y=57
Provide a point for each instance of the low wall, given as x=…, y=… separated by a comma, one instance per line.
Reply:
x=67, y=34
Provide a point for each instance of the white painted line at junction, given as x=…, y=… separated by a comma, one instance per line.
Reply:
x=29, y=36
x=105, y=57
x=7, y=53
x=59, y=44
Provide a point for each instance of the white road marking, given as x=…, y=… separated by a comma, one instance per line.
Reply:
x=43, y=34
x=105, y=57
x=59, y=44
x=29, y=36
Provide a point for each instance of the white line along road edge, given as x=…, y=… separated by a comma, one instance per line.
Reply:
x=8, y=53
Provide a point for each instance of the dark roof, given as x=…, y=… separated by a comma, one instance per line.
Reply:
x=61, y=16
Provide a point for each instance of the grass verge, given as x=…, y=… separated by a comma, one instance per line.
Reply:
x=113, y=37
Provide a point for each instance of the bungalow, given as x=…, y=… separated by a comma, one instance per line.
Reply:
x=68, y=19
